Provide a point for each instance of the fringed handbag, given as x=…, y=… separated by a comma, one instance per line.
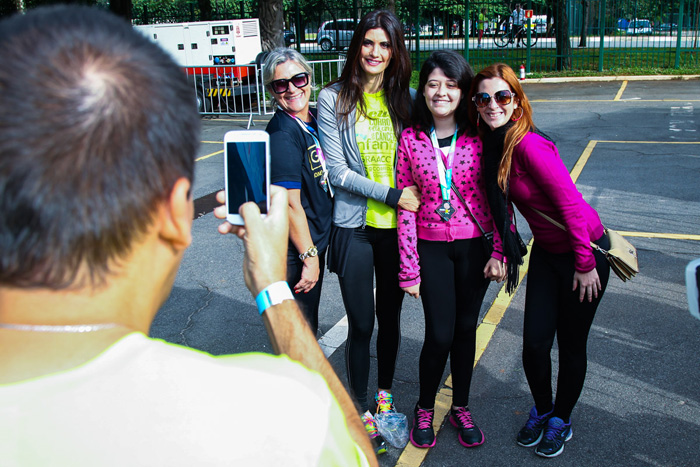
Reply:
x=621, y=255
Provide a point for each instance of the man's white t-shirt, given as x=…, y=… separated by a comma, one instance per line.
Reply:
x=145, y=402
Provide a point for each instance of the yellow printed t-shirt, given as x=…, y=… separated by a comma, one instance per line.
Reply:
x=377, y=142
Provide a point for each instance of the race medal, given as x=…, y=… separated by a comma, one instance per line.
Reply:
x=445, y=210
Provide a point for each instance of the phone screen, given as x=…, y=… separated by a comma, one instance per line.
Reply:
x=246, y=174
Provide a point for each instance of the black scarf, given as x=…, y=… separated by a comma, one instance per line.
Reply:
x=513, y=247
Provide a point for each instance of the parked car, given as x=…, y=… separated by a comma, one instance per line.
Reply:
x=289, y=37
x=335, y=34
x=666, y=28
x=639, y=26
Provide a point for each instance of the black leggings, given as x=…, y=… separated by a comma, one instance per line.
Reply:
x=452, y=288
x=552, y=308
x=371, y=251
x=308, y=302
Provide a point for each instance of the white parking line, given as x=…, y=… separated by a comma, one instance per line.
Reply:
x=334, y=338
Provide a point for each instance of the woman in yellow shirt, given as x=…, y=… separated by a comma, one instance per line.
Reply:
x=360, y=117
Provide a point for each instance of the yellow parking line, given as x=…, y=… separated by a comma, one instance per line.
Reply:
x=576, y=171
x=668, y=236
x=650, y=142
x=212, y=142
x=208, y=156
x=622, y=89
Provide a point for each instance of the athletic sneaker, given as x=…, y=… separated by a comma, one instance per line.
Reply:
x=469, y=434
x=385, y=402
x=531, y=434
x=422, y=434
x=371, y=427
x=555, y=435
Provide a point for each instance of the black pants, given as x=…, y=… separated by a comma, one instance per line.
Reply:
x=308, y=302
x=372, y=252
x=553, y=309
x=452, y=288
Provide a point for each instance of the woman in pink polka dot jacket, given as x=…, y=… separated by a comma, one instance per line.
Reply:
x=444, y=258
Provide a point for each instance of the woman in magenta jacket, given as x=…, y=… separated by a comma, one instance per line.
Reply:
x=443, y=258
x=566, y=278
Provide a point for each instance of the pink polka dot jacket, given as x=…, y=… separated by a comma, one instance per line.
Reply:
x=417, y=166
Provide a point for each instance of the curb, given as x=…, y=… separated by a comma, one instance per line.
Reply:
x=583, y=79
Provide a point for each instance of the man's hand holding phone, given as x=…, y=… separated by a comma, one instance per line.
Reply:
x=265, y=239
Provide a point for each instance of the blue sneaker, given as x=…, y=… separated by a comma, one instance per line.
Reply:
x=531, y=434
x=555, y=435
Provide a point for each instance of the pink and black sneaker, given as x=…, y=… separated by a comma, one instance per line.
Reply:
x=469, y=434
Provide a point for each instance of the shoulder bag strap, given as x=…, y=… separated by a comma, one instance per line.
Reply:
x=593, y=245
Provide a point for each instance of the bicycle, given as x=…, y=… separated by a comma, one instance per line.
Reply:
x=504, y=38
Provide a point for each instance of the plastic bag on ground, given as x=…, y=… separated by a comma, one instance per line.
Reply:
x=393, y=427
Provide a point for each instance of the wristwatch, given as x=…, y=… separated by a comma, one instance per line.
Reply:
x=311, y=252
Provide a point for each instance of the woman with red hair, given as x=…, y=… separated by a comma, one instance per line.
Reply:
x=566, y=278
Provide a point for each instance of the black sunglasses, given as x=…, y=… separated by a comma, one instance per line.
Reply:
x=280, y=86
x=482, y=99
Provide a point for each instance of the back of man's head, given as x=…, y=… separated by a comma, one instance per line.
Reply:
x=96, y=125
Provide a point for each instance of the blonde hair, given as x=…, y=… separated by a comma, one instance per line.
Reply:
x=521, y=127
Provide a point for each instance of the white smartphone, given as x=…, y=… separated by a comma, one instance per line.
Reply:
x=247, y=171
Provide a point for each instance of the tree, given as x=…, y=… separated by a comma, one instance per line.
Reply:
x=585, y=4
x=561, y=26
x=121, y=8
x=204, y=10
x=271, y=14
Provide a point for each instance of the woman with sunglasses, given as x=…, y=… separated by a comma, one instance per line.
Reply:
x=566, y=278
x=444, y=257
x=297, y=163
x=361, y=116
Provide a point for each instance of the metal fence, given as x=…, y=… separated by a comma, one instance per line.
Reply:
x=591, y=35
x=235, y=90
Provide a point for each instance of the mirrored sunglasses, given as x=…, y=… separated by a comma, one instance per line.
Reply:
x=280, y=86
x=483, y=99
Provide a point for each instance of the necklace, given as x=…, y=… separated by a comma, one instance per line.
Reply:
x=63, y=328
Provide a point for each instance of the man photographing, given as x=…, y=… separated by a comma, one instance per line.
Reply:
x=98, y=134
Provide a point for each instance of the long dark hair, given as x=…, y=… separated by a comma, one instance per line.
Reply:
x=455, y=67
x=396, y=76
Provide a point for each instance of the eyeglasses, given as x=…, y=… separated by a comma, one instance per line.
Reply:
x=483, y=99
x=280, y=86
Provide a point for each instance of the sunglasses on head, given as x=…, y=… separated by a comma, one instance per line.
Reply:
x=280, y=86
x=483, y=99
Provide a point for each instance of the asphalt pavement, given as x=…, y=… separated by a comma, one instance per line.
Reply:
x=634, y=150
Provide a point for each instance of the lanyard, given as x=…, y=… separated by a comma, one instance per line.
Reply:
x=319, y=152
x=445, y=172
